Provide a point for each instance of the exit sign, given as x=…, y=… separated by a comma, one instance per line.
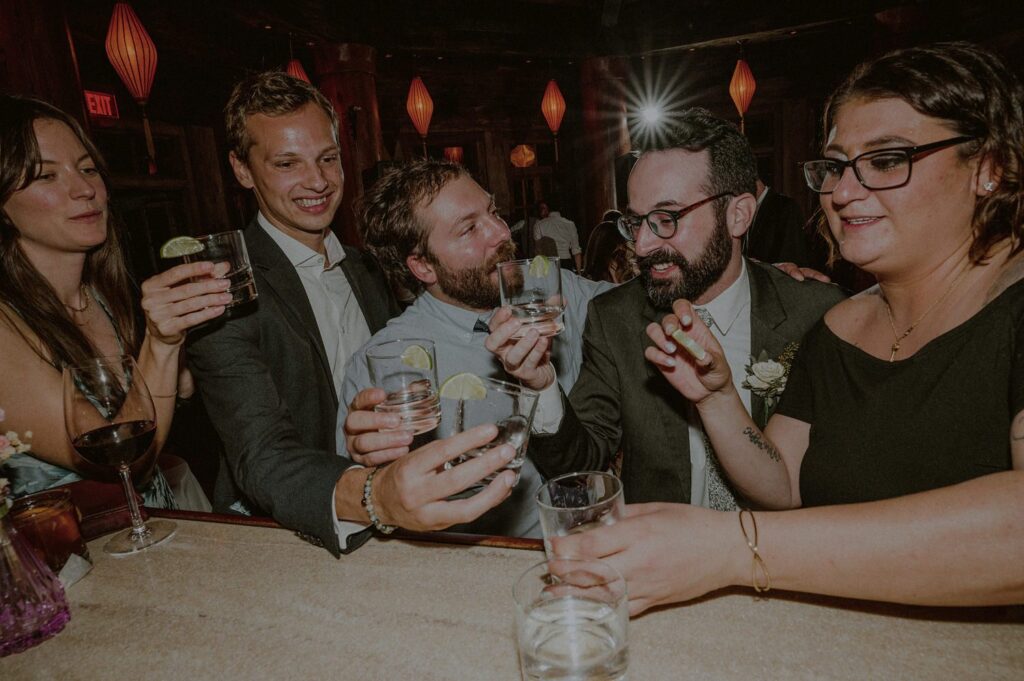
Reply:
x=101, y=104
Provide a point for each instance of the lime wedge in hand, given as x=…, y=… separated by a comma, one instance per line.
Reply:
x=179, y=246
x=463, y=386
x=540, y=266
x=416, y=357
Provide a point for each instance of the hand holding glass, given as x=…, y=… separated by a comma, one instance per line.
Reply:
x=533, y=289
x=110, y=419
x=508, y=406
x=407, y=371
x=577, y=502
x=229, y=247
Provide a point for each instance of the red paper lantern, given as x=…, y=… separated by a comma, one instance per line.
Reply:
x=553, y=106
x=523, y=156
x=133, y=55
x=420, y=107
x=295, y=70
x=453, y=154
x=741, y=88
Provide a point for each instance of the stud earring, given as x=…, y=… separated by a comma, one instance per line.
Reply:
x=989, y=186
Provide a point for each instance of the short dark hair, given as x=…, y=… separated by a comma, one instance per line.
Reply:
x=732, y=167
x=271, y=93
x=971, y=90
x=388, y=224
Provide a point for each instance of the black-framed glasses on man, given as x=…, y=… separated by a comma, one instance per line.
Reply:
x=663, y=223
x=878, y=169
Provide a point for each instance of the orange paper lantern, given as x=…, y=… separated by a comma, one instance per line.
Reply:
x=553, y=106
x=131, y=51
x=420, y=106
x=453, y=154
x=133, y=55
x=295, y=70
x=523, y=156
x=741, y=88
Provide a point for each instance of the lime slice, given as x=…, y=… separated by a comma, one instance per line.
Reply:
x=416, y=357
x=540, y=266
x=463, y=386
x=179, y=246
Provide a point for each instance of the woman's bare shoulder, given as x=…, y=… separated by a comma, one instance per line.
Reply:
x=850, y=312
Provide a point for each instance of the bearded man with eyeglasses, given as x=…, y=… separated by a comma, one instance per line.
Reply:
x=691, y=200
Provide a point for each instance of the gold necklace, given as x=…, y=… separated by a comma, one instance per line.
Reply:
x=83, y=293
x=892, y=324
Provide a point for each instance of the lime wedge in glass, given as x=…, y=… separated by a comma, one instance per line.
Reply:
x=464, y=386
x=179, y=246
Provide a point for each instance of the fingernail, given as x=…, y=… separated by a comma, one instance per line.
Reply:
x=671, y=362
x=670, y=347
x=687, y=319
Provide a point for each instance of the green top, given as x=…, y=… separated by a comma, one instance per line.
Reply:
x=885, y=429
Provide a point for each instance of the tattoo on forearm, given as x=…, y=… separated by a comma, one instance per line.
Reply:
x=762, y=444
x=1017, y=430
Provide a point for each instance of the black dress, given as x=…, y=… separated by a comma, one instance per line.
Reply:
x=884, y=429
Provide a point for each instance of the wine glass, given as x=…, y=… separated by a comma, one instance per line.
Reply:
x=110, y=419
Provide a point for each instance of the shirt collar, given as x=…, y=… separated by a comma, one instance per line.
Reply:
x=726, y=308
x=298, y=253
x=459, y=319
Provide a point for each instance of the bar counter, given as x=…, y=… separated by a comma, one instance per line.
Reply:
x=233, y=601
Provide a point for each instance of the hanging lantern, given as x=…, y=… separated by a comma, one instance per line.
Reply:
x=741, y=88
x=453, y=154
x=295, y=70
x=420, y=107
x=133, y=55
x=523, y=156
x=552, y=105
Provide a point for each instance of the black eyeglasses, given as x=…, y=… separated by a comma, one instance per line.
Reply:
x=663, y=223
x=879, y=169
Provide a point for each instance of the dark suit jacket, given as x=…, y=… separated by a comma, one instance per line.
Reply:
x=266, y=383
x=777, y=233
x=622, y=400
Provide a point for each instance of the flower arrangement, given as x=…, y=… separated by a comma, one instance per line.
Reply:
x=10, y=444
x=767, y=377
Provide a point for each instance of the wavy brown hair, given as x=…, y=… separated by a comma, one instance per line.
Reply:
x=388, y=224
x=24, y=292
x=970, y=90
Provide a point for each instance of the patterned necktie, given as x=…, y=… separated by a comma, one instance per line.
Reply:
x=720, y=494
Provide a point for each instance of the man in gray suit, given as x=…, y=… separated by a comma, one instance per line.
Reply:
x=690, y=202
x=271, y=373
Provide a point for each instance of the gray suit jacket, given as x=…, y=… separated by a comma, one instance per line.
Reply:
x=266, y=383
x=622, y=401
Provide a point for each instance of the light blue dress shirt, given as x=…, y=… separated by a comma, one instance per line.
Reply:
x=460, y=348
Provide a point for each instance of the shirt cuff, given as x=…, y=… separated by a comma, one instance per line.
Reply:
x=549, y=410
x=344, y=529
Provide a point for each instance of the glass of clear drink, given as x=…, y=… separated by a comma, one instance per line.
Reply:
x=572, y=619
x=508, y=406
x=577, y=502
x=229, y=247
x=533, y=289
x=407, y=370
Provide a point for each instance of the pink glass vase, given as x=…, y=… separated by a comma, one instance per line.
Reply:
x=32, y=603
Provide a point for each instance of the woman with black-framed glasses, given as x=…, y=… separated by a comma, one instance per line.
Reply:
x=910, y=484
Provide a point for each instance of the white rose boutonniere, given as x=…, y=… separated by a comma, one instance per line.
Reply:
x=766, y=377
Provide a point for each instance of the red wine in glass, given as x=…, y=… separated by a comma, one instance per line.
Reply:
x=110, y=419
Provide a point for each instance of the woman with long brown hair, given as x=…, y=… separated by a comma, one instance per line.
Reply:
x=66, y=295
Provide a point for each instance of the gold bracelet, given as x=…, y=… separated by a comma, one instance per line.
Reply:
x=166, y=397
x=758, y=565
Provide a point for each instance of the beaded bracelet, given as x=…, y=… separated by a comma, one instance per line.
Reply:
x=368, y=505
x=758, y=565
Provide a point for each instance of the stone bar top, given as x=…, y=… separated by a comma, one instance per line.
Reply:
x=226, y=601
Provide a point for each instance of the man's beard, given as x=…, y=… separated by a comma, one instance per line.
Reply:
x=693, y=279
x=473, y=286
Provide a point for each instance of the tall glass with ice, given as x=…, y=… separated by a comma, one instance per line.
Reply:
x=407, y=371
x=533, y=289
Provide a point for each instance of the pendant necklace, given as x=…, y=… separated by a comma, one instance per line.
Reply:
x=892, y=324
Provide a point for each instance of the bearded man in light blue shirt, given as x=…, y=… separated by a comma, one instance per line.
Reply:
x=438, y=237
